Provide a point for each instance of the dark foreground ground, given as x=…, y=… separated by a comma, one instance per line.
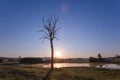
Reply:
x=8, y=72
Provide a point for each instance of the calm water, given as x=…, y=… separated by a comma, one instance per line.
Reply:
x=60, y=65
x=109, y=66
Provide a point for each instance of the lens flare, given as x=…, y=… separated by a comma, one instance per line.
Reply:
x=64, y=7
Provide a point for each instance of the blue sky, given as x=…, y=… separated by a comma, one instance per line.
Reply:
x=88, y=27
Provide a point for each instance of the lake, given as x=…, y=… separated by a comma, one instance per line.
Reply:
x=61, y=65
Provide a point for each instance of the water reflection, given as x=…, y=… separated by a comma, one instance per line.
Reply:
x=98, y=65
x=103, y=65
x=60, y=65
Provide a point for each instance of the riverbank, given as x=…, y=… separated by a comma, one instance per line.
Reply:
x=61, y=65
x=38, y=73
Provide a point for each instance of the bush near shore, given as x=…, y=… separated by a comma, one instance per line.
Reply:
x=1, y=60
x=31, y=60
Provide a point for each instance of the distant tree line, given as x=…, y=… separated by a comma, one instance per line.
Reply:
x=31, y=60
x=98, y=59
x=1, y=60
x=93, y=59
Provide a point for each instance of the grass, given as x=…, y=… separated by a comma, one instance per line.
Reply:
x=8, y=72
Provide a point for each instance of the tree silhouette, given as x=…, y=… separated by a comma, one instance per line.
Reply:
x=49, y=31
x=99, y=56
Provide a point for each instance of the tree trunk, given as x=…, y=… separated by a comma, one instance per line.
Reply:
x=52, y=54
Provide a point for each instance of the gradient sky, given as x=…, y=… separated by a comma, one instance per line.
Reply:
x=88, y=27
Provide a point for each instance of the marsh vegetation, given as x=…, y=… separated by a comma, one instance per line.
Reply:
x=8, y=72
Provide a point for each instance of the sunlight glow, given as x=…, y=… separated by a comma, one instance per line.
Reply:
x=58, y=54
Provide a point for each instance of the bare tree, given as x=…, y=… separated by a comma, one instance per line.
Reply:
x=49, y=31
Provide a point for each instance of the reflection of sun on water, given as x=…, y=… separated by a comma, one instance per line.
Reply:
x=57, y=65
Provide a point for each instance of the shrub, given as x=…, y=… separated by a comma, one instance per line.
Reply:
x=31, y=60
x=92, y=59
x=1, y=60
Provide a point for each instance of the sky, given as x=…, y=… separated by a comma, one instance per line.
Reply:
x=88, y=27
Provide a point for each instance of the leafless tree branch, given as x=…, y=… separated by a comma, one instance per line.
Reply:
x=49, y=31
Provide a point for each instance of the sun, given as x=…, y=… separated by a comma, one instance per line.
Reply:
x=58, y=54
